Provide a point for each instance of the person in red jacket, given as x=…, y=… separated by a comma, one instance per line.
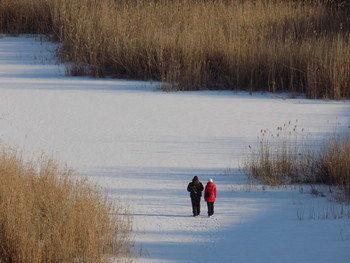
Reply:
x=210, y=196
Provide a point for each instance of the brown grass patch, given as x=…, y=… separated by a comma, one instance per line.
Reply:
x=271, y=45
x=288, y=157
x=48, y=216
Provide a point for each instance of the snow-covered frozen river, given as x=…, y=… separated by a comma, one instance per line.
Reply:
x=143, y=146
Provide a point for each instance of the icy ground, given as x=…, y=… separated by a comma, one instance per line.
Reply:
x=143, y=146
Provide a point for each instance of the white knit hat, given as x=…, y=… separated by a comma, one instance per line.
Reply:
x=210, y=180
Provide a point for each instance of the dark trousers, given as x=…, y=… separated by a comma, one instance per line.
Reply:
x=196, y=206
x=210, y=208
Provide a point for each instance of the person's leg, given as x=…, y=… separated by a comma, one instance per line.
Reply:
x=210, y=208
x=198, y=207
x=194, y=207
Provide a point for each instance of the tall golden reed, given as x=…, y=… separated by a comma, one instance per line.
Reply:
x=47, y=216
x=288, y=157
x=270, y=45
x=335, y=162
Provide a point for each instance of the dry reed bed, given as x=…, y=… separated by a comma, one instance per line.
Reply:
x=288, y=156
x=47, y=216
x=335, y=162
x=273, y=45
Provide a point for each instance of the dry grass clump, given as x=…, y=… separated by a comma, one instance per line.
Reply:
x=281, y=156
x=289, y=157
x=47, y=216
x=25, y=16
x=275, y=45
x=334, y=162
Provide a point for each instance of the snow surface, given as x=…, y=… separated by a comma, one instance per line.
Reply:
x=143, y=146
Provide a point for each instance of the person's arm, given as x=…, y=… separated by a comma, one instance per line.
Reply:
x=188, y=187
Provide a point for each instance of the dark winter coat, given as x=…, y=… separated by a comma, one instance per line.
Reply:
x=210, y=192
x=195, y=188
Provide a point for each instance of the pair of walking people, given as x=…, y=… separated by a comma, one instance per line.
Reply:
x=196, y=188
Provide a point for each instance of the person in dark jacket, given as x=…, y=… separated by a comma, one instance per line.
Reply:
x=195, y=188
x=210, y=196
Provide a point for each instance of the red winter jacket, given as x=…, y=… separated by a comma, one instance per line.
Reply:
x=210, y=192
